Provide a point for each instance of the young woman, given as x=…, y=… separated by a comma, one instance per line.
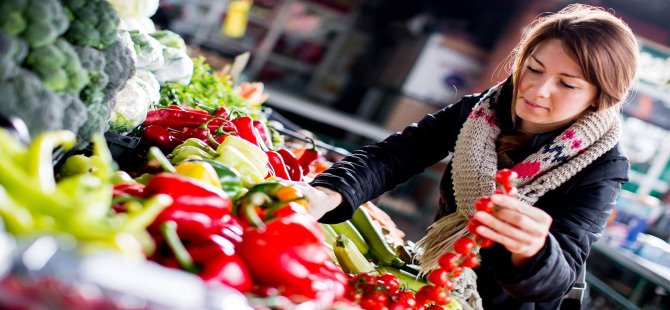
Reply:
x=555, y=121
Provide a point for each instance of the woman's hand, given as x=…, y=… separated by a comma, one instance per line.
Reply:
x=321, y=199
x=520, y=227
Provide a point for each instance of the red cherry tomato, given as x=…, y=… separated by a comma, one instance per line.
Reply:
x=390, y=283
x=506, y=176
x=473, y=224
x=484, y=204
x=464, y=245
x=406, y=297
x=456, y=272
x=439, y=276
x=483, y=242
x=448, y=261
x=471, y=261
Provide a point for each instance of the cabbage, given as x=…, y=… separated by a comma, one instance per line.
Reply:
x=135, y=8
x=149, y=83
x=149, y=51
x=143, y=25
x=178, y=67
x=170, y=39
x=132, y=103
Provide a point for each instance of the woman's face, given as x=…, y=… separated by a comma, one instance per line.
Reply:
x=552, y=89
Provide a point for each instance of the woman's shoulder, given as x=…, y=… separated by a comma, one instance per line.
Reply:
x=613, y=165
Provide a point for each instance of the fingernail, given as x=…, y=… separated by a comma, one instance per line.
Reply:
x=496, y=198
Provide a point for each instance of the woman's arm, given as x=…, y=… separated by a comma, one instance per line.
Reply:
x=376, y=168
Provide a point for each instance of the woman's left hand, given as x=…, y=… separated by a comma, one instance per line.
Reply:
x=520, y=227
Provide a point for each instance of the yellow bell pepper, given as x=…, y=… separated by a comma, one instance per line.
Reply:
x=200, y=171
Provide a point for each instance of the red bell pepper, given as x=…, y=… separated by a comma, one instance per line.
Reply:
x=198, y=209
x=175, y=118
x=126, y=191
x=297, y=266
x=186, y=108
x=222, y=111
x=277, y=165
x=292, y=164
x=161, y=136
x=212, y=258
x=309, y=156
x=263, y=133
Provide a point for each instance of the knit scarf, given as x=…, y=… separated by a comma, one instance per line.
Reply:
x=475, y=162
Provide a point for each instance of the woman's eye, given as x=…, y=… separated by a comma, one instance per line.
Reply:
x=531, y=69
x=568, y=86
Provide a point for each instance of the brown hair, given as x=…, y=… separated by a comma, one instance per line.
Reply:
x=601, y=43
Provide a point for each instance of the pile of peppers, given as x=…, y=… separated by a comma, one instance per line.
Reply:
x=298, y=266
x=189, y=133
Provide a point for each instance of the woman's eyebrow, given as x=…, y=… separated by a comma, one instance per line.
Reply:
x=576, y=76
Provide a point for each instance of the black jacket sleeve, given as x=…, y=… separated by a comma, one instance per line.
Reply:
x=580, y=209
x=376, y=168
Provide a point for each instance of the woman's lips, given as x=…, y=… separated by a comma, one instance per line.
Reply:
x=532, y=105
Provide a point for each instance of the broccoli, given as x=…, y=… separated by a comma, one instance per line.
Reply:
x=58, y=66
x=120, y=65
x=45, y=21
x=93, y=23
x=94, y=63
x=25, y=97
x=11, y=17
x=12, y=53
x=75, y=113
x=96, y=122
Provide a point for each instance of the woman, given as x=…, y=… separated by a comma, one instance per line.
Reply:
x=555, y=122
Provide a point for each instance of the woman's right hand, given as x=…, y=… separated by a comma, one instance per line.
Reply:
x=321, y=199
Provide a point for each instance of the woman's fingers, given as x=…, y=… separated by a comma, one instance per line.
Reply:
x=498, y=230
x=511, y=203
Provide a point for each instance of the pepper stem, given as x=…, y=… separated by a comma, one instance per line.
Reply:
x=249, y=208
x=169, y=232
x=156, y=154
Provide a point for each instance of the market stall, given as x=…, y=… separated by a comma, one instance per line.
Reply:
x=135, y=176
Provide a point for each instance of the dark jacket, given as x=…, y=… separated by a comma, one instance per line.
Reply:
x=579, y=208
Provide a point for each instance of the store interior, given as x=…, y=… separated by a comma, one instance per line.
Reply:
x=354, y=71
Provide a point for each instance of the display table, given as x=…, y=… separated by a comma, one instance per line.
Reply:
x=650, y=274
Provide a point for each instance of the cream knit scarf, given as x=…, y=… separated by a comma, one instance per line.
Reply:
x=475, y=162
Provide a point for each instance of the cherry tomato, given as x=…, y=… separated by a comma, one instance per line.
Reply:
x=390, y=283
x=448, y=261
x=483, y=242
x=437, y=295
x=406, y=297
x=456, y=272
x=508, y=190
x=438, y=276
x=464, y=245
x=471, y=261
x=473, y=224
x=505, y=176
x=484, y=204
x=379, y=297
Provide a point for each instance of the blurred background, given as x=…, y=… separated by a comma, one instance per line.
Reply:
x=354, y=71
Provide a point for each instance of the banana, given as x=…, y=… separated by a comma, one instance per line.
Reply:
x=407, y=279
x=348, y=229
x=349, y=257
x=371, y=232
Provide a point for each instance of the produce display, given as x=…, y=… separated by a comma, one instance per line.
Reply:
x=203, y=209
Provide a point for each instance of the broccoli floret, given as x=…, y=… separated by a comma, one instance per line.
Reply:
x=94, y=63
x=12, y=53
x=25, y=97
x=58, y=66
x=75, y=113
x=96, y=122
x=46, y=21
x=12, y=22
x=93, y=23
x=120, y=65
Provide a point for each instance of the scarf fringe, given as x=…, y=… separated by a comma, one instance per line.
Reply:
x=440, y=239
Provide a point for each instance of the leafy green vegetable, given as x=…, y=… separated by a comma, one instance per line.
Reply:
x=207, y=91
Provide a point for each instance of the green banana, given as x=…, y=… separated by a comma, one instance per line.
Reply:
x=347, y=228
x=351, y=260
x=371, y=232
x=407, y=279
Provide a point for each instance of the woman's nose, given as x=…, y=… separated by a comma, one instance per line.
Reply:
x=543, y=88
